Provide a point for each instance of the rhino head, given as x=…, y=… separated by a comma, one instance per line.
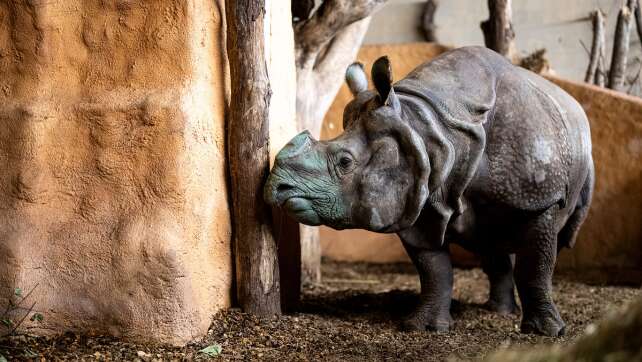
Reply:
x=373, y=176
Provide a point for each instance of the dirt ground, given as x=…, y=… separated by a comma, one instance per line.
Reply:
x=352, y=315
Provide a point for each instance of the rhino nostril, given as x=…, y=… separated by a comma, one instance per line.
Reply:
x=284, y=188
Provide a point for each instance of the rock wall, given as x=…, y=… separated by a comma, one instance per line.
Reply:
x=609, y=248
x=113, y=198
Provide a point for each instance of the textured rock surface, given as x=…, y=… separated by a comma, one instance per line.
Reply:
x=112, y=196
x=609, y=247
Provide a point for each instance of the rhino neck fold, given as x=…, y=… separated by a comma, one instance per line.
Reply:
x=454, y=146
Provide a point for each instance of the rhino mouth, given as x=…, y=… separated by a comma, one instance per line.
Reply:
x=290, y=198
x=300, y=208
x=287, y=196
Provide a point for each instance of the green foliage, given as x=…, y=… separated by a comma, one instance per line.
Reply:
x=213, y=350
x=36, y=317
x=13, y=315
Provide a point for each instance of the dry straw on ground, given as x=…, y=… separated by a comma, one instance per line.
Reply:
x=353, y=315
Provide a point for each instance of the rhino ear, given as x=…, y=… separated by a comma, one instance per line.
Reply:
x=356, y=78
x=382, y=79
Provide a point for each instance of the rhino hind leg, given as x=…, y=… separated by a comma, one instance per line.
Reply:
x=436, y=277
x=499, y=269
x=534, y=265
x=569, y=232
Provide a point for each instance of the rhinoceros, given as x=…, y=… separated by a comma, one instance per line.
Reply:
x=466, y=149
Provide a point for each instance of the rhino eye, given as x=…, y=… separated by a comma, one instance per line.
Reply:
x=345, y=162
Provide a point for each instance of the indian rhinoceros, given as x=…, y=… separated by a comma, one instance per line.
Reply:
x=467, y=149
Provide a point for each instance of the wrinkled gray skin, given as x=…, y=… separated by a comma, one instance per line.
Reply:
x=466, y=149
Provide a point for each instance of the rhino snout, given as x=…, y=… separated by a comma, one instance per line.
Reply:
x=283, y=193
x=279, y=187
x=277, y=190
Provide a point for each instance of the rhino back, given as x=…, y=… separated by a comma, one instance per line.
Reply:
x=464, y=79
x=537, y=144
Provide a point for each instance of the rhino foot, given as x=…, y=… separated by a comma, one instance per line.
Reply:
x=419, y=323
x=503, y=307
x=547, y=323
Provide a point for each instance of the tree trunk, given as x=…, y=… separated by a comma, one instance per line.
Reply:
x=289, y=249
x=498, y=29
x=257, y=269
x=428, y=20
x=310, y=254
x=600, y=73
x=617, y=75
x=596, y=47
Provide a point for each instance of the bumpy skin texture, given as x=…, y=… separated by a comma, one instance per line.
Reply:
x=466, y=149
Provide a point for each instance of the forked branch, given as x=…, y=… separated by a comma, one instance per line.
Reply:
x=332, y=16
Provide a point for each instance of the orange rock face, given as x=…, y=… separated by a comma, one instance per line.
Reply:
x=609, y=247
x=113, y=197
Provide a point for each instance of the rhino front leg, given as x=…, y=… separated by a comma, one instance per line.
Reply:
x=534, y=265
x=499, y=269
x=436, y=277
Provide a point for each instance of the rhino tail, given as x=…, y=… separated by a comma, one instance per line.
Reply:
x=568, y=234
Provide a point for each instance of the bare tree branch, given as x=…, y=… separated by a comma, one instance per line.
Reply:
x=330, y=71
x=601, y=72
x=428, y=20
x=621, y=46
x=635, y=80
x=597, y=45
x=638, y=19
x=498, y=29
x=332, y=16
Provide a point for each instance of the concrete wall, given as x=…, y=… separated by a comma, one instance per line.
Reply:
x=557, y=26
x=113, y=195
x=609, y=247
